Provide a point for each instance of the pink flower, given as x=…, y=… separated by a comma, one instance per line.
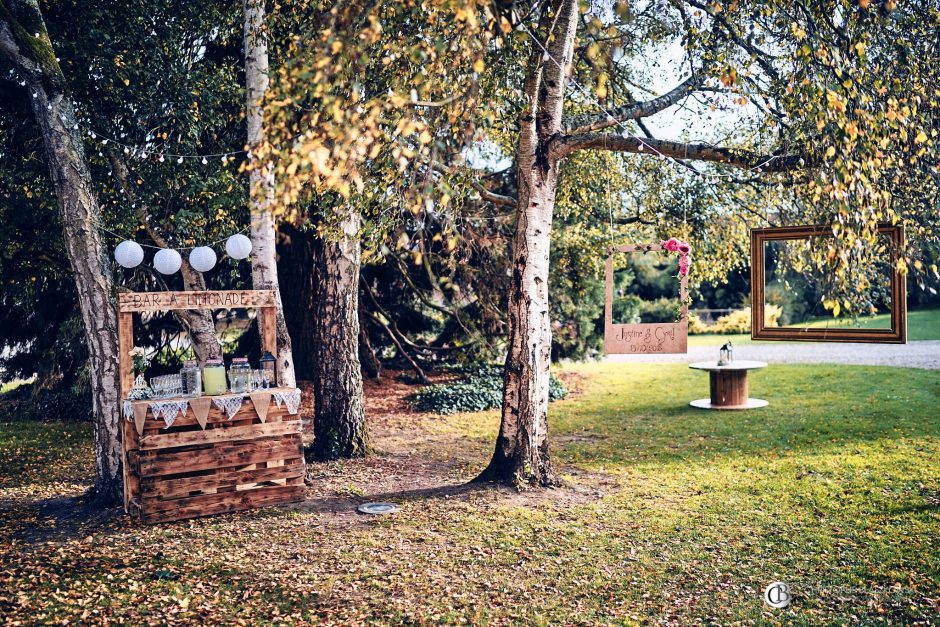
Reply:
x=684, y=248
x=684, y=264
x=671, y=244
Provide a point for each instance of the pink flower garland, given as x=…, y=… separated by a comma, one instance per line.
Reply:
x=677, y=246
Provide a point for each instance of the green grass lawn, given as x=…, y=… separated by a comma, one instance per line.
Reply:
x=922, y=324
x=673, y=515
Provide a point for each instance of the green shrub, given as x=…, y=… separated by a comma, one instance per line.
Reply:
x=739, y=321
x=479, y=388
x=659, y=310
x=626, y=309
x=696, y=326
x=28, y=403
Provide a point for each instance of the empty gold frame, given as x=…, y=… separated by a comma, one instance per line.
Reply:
x=826, y=328
x=643, y=338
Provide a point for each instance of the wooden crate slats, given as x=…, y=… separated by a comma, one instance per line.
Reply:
x=226, y=502
x=220, y=434
x=154, y=505
x=219, y=456
x=238, y=476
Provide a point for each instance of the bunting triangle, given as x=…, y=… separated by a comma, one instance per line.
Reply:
x=261, y=401
x=200, y=407
x=140, y=415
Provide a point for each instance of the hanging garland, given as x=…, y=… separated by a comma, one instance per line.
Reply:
x=129, y=254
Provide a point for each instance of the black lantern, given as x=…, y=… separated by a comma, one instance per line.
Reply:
x=269, y=370
x=725, y=356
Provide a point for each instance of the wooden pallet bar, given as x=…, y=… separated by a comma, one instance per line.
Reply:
x=227, y=464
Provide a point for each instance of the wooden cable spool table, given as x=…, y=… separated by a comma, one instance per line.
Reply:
x=728, y=385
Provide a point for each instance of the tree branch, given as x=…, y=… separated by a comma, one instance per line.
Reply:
x=497, y=199
x=565, y=145
x=587, y=122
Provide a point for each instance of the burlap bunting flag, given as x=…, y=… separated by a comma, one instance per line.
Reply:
x=140, y=415
x=261, y=400
x=200, y=407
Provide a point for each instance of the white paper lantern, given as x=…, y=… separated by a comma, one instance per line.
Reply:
x=238, y=246
x=167, y=261
x=129, y=254
x=202, y=259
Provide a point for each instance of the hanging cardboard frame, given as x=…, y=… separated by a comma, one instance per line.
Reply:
x=649, y=337
x=897, y=334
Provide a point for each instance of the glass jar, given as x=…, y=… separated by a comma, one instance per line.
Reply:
x=191, y=379
x=213, y=377
x=239, y=375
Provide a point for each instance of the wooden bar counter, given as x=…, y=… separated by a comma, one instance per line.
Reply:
x=185, y=470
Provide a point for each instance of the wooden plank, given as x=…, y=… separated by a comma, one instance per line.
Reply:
x=267, y=327
x=206, y=504
x=129, y=446
x=154, y=426
x=125, y=382
x=220, y=434
x=125, y=345
x=220, y=456
x=164, y=488
x=170, y=301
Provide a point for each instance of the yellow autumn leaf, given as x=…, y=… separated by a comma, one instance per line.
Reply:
x=921, y=137
x=479, y=66
x=830, y=152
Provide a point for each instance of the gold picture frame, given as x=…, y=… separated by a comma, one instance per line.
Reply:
x=897, y=334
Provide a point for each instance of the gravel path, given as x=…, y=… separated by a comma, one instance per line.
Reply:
x=924, y=354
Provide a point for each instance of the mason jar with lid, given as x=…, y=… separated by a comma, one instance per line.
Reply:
x=213, y=377
x=239, y=375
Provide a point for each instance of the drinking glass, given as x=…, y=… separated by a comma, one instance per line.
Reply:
x=257, y=379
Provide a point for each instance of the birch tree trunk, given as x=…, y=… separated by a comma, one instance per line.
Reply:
x=522, y=448
x=339, y=426
x=25, y=43
x=263, y=234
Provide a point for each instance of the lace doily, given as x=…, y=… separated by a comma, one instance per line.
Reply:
x=291, y=399
x=229, y=404
x=168, y=410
